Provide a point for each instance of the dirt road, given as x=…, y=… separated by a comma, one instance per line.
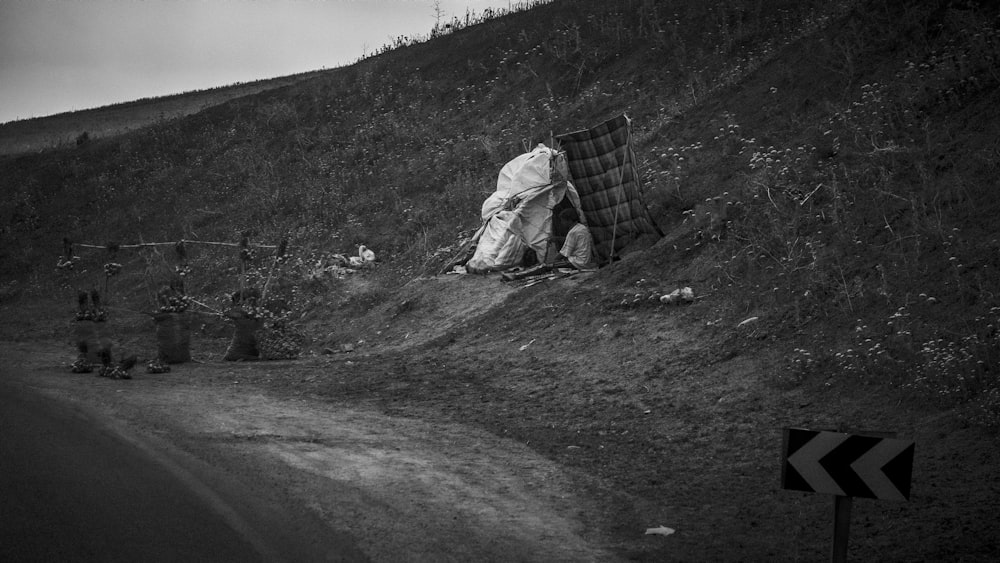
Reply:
x=76, y=488
x=404, y=489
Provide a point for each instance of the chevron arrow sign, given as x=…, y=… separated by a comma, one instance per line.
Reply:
x=852, y=465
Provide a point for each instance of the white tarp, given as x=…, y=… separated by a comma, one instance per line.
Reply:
x=499, y=245
x=526, y=172
x=530, y=186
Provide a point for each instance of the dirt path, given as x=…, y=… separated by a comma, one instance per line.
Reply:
x=559, y=426
x=404, y=488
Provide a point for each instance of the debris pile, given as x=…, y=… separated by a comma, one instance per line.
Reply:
x=679, y=296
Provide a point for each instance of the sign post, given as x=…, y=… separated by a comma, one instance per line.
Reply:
x=841, y=528
x=847, y=466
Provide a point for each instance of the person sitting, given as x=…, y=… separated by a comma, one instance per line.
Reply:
x=579, y=246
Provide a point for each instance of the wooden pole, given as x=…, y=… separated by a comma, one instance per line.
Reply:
x=841, y=528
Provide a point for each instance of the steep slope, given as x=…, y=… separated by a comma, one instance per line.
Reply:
x=850, y=144
x=853, y=150
x=411, y=138
x=77, y=127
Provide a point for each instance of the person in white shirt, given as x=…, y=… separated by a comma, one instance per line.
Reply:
x=579, y=246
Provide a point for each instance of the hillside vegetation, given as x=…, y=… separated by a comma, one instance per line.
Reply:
x=76, y=127
x=855, y=140
x=853, y=145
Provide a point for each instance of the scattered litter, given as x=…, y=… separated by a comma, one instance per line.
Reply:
x=341, y=349
x=365, y=256
x=366, y=253
x=659, y=531
x=525, y=347
x=745, y=322
x=678, y=296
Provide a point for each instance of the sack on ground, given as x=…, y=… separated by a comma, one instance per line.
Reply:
x=244, y=343
x=173, y=337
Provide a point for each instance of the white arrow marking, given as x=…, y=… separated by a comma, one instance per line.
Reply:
x=806, y=461
x=869, y=468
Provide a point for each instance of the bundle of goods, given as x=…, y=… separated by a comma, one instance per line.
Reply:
x=82, y=363
x=93, y=312
x=244, y=343
x=90, y=328
x=173, y=324
x=173, y=337
x=120, y=371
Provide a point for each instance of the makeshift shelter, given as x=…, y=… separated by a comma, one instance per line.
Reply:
x=517, y=217
x=592, y=170
x=602, y=166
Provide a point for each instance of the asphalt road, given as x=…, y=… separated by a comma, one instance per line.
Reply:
x=73, y=488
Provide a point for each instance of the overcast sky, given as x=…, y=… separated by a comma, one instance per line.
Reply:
x=65, y=55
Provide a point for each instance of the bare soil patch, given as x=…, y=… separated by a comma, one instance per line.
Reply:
x=407, y=489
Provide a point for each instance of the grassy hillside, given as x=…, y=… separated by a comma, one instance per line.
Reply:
x=415, y=135
x=855, y=140
x=853, y=146
x=67, y=129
